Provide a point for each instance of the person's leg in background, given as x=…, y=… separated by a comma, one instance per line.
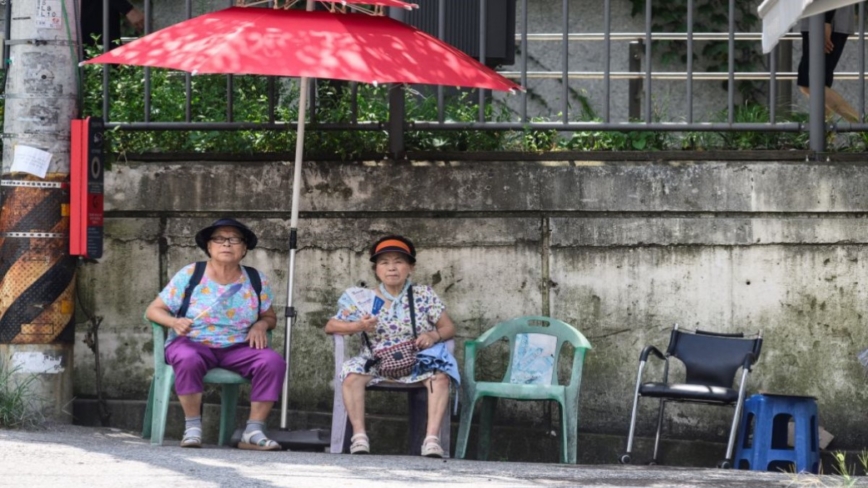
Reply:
x=834, y=101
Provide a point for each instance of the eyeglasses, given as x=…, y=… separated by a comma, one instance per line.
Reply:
x=220, y=240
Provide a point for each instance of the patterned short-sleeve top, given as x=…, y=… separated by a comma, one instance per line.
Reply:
x=393, y=326
x=227, y=321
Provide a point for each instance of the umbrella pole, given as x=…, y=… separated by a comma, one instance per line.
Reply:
x=293, y=245
x=293, y=239
x=309, y=439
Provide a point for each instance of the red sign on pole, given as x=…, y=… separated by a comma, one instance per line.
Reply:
x=86, y=188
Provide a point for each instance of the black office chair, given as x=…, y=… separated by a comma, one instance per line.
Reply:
x=711, y=361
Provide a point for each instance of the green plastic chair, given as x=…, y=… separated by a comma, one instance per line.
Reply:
x=157, y=409
x=566, y=395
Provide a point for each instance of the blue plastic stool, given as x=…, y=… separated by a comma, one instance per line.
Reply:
x=763, y=435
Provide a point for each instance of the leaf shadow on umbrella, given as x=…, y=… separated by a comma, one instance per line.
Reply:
x=351, y=47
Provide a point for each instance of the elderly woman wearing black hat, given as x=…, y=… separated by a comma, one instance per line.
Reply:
x=385, y=318
x=222, y=323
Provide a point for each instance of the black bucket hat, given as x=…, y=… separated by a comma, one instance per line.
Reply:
x=394, y=243
x=204, y=235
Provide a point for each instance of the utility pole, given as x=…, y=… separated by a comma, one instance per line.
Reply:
x=37, y=274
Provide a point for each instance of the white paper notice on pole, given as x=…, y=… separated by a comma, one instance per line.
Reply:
x=30, y=160
x=48, y=14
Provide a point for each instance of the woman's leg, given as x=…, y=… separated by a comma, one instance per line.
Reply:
x=438, y=402
x=259, y=410
x=353, y=389
x=191, y=404
x=266, y=370
x=190, y=361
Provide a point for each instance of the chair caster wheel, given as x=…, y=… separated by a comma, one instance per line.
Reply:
x=652, y=463
x=725, y=464
x=624, y=459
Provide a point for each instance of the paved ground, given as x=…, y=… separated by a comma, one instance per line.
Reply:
x=67, y=456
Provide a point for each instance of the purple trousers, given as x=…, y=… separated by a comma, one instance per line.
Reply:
x=191, y=360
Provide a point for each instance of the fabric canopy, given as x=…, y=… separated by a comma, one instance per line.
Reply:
x=297, y=43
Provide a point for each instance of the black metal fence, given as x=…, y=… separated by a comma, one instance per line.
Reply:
x=504, y=32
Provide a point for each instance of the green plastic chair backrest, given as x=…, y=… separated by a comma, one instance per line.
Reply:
x=515, y=328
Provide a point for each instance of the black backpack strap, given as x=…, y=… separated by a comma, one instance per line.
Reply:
x=198, y=273
x=256, y=283
x=412, y=309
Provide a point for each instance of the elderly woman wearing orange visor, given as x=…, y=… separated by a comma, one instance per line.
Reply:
x=384, y=317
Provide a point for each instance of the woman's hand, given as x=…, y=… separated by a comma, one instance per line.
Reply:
x=427, y=340
x=367, y=324
x=257, y=335
x=181, y=325
x=342, y=327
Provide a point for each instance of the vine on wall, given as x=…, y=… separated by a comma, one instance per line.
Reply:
x=708, y=16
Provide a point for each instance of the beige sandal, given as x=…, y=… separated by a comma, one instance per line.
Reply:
x=192, y=437
x=360, y=444
x=431, y=447
x=264, y=444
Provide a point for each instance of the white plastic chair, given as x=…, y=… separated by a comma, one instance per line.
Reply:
x=417, y=396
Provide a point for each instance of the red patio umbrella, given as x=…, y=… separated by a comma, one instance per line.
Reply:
x=296, y=43
x=306, y=44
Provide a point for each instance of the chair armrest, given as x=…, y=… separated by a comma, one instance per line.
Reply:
x=651, y=350
x=490, y=336
x=749, y=359
x=340, y=354
x=159, y=333
x=643, y=359
x=470, y=347
x=578, y=366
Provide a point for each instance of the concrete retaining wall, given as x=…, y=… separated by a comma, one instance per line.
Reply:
x=621, y=250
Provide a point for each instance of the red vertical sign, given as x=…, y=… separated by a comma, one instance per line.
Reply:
x=86, y=188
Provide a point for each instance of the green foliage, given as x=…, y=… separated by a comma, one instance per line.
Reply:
x=536, y=140
x=708, y=16
x=458, y=108
x=168, y=104
x=17, y=401
x=600, y=140
x=367, y=105
x=845, y=471
x=597, y=140
x=749, y=140
x=845, y=474
x=334, y=106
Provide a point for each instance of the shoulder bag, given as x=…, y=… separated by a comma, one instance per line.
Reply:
x=396, y=361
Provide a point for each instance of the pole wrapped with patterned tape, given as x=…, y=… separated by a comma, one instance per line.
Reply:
x=36, y=272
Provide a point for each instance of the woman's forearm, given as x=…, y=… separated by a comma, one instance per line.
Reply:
x=341, y=327
x=445, y=328
x=269, y=318
x=159, y=314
